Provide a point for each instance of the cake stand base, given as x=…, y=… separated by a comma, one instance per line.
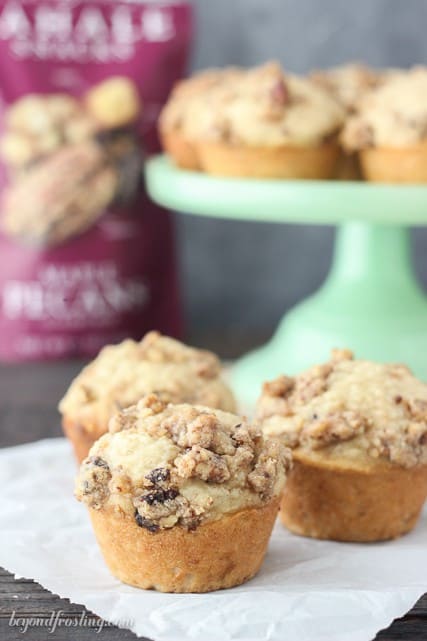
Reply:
x=370, y=302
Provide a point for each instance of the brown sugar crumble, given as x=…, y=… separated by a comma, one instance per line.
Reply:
x=122, y=374
x=168, y=465
x=380, y=410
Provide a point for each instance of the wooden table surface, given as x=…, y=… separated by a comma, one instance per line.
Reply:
x=28, y=398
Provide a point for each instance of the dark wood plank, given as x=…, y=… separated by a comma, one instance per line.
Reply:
x=28, y=398
x=24, y=602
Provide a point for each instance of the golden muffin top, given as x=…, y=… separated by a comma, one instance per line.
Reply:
x=168, y=465
x=354, y=411
x=122, y=374
x=262, y=106
x=392, y=115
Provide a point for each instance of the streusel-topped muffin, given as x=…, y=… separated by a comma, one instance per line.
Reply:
x=358, y=431
x=274, y=125
x=260, y=122
x=271, y=108
x=389, y=129
x=182, y=498
x=122, y=374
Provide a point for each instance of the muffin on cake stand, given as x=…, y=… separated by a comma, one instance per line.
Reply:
x=370, y=301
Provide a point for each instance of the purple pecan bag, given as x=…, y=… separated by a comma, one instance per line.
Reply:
x=85, y=258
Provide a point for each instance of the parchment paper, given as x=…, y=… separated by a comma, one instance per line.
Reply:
x=306, y=591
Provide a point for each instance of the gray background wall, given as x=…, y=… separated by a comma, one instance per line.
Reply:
x=241, y=277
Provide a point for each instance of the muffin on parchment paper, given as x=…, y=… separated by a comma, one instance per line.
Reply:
x=263, y=123
x=182, y=498
x=121, y=374
x=389, y=129
x=358, y=431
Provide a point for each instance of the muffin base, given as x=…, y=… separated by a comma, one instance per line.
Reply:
x=325, y=502
x=218, y=554
x=348, y=167
x=395, y=165
x=80, y=438
x=269, y=162
x=182, y=152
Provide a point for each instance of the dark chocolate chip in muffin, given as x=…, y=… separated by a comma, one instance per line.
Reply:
x=159, y=496
x=145, y=523
x=158, y=475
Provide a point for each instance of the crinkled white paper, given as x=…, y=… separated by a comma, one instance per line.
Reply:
x=306, y=591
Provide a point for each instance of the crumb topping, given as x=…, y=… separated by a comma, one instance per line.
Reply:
x=122, y=374
x=350, y=408
x=392, y=115
x=168, y=465
x=260, y=106
x=347, y=83
x=62, y=196
x=194, y=106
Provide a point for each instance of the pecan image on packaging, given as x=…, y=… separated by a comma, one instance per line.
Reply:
x=60, y=197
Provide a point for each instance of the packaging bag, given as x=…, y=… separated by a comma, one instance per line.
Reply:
x=85, y=258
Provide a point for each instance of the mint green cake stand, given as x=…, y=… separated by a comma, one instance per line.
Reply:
x=370, y=301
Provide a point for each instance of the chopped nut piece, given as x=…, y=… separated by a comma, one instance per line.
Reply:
x=263, y=475
x=342, y=355
x=153, y=403
x=332, y=429
x=280, y=387
x=312, y=383
x=200, y=463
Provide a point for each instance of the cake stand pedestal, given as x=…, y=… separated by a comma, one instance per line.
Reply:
x=370, y=301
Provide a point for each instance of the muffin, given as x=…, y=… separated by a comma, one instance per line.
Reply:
x=358, y=434
x=262, y=123
x=122, y=374
x=188, y=111
x=389, y=129
x=182, y=498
